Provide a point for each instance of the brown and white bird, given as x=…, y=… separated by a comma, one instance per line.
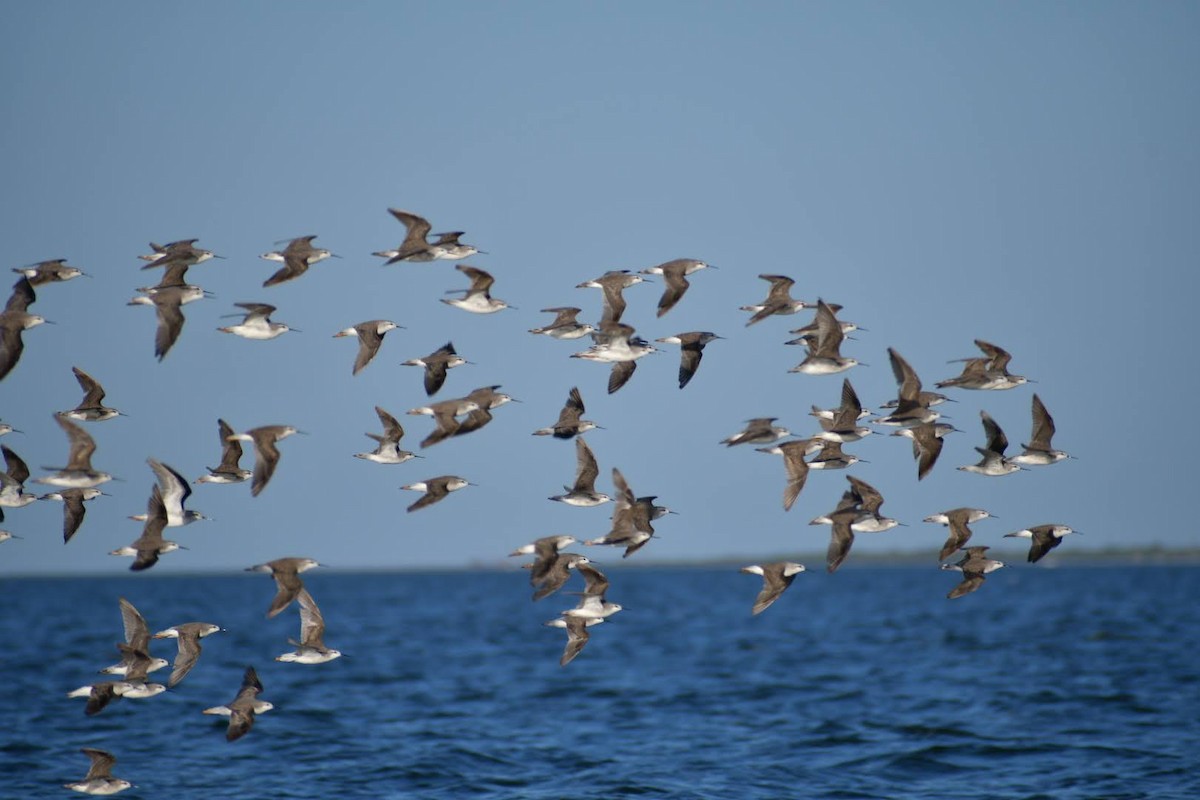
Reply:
x=1039, y=452
x=370, y=336
x=147, y=548
x=759, y=430
x=388, y=451
x=286, y=572
x=53, y=271
x=989, y=373
x=1043, y=538
x=168, y=305
x=78, y=473
x=613, y=283
x=435, y=489
x=691, y=350
x=958, y=520
x=297, y=257
x=436, y=364
x=974, y=565
x=992, y=461
x=583, y=493
x=91, y=408
x=577, y=635
x=229, y=470
x=311, y=648
x=564, y=325
x=187, y=636
x=416, y=245
x=243, y=708
x=266, y=453
x=73, y=507
x=99, y=780
x=777, y=577
x=779, y=300
x=256, y=323
x=477, y=298
x=675, y=277
x=569, y=422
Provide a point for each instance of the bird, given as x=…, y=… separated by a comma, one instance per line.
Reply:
x=370, y=336
x=545, y=551
x=78, y=473
x=388, y=451
x=616, y=344
x=416, y=246
x=168, y=305
x=926, y=444
x=13, y=324
x=691, y=351
x=187, y=636
x=909, y=411
x=592, y=604
x=487, y=398
x=311, y=648
x=286, y=572
x=99, y=779
x=675, y=274
x=758, y=430
x=569, y=422
x=793, y=453
x=297, y=257
x=777, y=577
x=137, y=637
x=91, y=408
x=183, y=251
x=175, y=492
x=1043, y=538
x=577, y=635
x=613, y=283
x=779, y=300
x=842, y=423
x=564, y=324
x=974, y=565
x=266, y=454
x=445, y=415
x=73, y=508
x=548, y=578
x=256, y=323
x=992, y=461
x=436, y=364
x=830, y=456
x=243, y=708
x=147, y=548
x=229, y=470
x=12, y=482
x=53, y=271
x=631, y=519
x=987, y=373
x=957, y=519
x=583, y=493
x=435, y=489
x=478, y=297
x=824, y=357
x=1039, y=451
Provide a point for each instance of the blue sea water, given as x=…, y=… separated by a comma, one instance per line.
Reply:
x=1046, y=683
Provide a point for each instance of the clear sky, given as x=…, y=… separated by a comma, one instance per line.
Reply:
x=1025, y=173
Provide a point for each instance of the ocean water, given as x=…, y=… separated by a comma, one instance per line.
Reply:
x=1046, y=683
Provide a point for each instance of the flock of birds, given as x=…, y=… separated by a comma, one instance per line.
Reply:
x=913, y=414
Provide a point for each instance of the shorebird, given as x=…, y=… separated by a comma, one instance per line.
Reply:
x=577, y=635
x=256, y=322
x=675, y=277
x=569, y=423
x=583, y=493
x=311, y=648
x=824, y=357
x=436, y=364
x=926, y=444
x=564, y=325
x=286, y=572
x=808, y=333
x=613, y=283
x=266, y=454
x=830, y=456
x=183, y=251
x=974, y=565
x=12, y=482
x=435, y=489
x=78, y=473
x=1044, y=538
x=487, y=398
x=592, y=604
x=150, y=545
x=866, y=500
x=175, y=491
x=631, y=519
x=842, y=423
x=370, y=336
x=168, y=303
x=616, y=344
x=228, y=471
x=53, y=271
x=691, y=351
x=73, y=508
x=793, y=453
x=416, y=246
x=478, y=298
x=297, y=257
x=779, y=300
x=99, y=779
x=758, y=430
x=174, y=276
x=777, y=576
x=12, y=324
x=187, y=636
x=988, y=373
x=91, y=408
x=243, y=708
x=137, y=665
x=445, y=415
x=957, y=519
x=137, y=639
x=1039, y=451
x=992, y=461
x=909, y=410
x=388, y=451
x=545, y=551
x=549, y=577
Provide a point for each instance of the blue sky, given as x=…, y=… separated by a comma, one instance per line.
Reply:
x=1023, y=173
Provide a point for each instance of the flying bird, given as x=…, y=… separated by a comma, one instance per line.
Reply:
x=266, y=454
x=691, y=351
x=370, y=336
x=242, y=710
x=777, y=577
x=91, y=408
x=297, y=257
x=286, y=572
x=675, y=277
